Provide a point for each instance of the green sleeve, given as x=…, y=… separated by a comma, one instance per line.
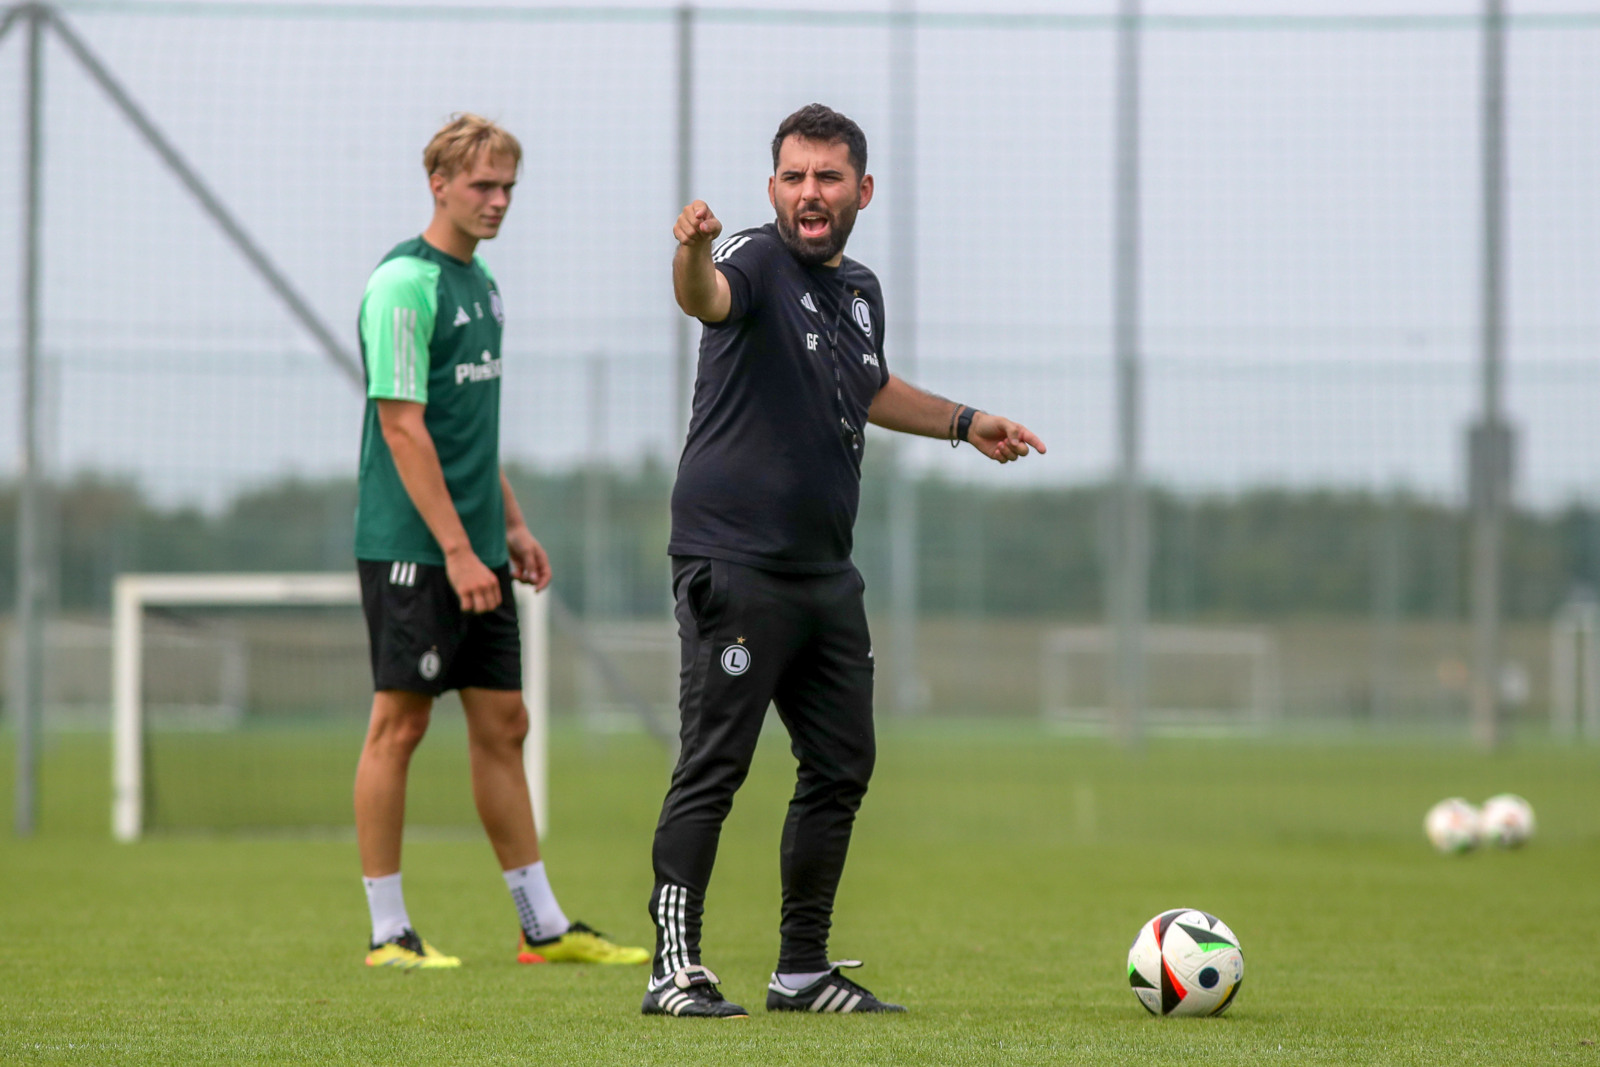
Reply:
x=397, y=318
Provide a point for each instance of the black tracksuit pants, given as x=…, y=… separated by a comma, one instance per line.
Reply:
x=750, y=638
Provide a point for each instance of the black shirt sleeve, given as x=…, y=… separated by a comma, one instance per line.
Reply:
x=743, y=261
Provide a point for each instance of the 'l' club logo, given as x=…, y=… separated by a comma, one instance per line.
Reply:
x=736, y=659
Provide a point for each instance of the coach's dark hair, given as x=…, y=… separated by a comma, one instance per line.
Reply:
x=818, y=122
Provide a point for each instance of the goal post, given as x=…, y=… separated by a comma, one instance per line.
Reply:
x=1575, y=669
x=134, y=594
x=1202, y=679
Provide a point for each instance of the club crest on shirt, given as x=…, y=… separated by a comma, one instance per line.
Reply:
x=736, y=659
x=862, y=314
x=497, y=307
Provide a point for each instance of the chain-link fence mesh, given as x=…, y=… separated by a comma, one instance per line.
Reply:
x=1310, y=243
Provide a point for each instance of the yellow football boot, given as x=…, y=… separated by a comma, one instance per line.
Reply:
x=409, y=952
x=580, y=944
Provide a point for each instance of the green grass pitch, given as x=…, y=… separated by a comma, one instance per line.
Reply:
x=997, y=876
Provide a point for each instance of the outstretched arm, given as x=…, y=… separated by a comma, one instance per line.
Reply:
x=699, y=286
x=901, y=406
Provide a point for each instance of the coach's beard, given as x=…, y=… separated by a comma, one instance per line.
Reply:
x=814, y=252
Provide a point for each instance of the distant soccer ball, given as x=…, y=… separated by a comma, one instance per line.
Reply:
x=1506, y=820
x=1452, y=825
x=1185, y=962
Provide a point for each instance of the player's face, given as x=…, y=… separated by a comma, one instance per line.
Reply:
x=476, y=198
x=816, y=193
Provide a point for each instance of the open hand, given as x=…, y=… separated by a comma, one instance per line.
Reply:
x=1001, y=439
x=696, y=225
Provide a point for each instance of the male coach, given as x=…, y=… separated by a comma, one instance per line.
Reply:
x=769, y=604
x=439, y=538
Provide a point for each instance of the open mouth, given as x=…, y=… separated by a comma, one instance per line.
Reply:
x=813, y=225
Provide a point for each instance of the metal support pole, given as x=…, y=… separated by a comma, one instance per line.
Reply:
x=13, y=16
x=1490, y=460
x=1388, y=580
x=597, y=600
x=910, y=693
x=1130, y=564
x=683, y=338
x=30, y=563
x=275, y=279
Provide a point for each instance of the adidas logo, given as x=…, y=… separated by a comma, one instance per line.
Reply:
x=462, y=318
x=809, y=304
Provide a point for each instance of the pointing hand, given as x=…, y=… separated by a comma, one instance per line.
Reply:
x=696, y=225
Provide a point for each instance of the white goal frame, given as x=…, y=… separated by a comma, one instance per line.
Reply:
x=1258, y=651
x=1575, y=670
x=133, y=593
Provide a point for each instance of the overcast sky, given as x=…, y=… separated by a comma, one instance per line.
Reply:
x=1310, y=252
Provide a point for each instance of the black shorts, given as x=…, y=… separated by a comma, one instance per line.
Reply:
x=421, y=640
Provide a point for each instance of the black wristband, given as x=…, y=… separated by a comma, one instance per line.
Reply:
x=964, y=423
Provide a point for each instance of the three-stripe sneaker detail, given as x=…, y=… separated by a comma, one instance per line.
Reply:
x=690, y=992
x=833, y=992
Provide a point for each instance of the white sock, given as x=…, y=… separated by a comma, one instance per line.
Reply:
x=798, y=982
x=541, y=917
x=388, y=906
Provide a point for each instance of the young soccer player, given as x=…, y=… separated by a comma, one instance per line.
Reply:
x=439, y=539
x=769, y=606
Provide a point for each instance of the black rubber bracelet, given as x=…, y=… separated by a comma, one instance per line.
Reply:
x=950, y=434
x=964, y=423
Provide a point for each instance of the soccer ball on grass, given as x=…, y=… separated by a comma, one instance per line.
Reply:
x=1185, y=962
x=1506, y=820
x=1452, y=825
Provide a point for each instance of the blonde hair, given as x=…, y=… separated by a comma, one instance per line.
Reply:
x=465, y=139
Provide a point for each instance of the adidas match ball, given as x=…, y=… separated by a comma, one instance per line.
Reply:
x=1452, y=825
x=1185, y=962
x=1506, y=820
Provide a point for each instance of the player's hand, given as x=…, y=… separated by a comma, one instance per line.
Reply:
x=1001, y=439
x=475, y=584
x=696, y=226
x=529, y=564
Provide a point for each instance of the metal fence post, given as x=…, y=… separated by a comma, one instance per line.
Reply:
x=1129, y=551
x=30, y=562
x=910, y=694
x=683, y=338
x=1490, y=450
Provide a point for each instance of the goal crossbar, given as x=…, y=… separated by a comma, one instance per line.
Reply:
x=1256, y=649
x=134, y=593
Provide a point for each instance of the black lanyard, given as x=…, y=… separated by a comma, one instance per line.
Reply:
x=852, y=436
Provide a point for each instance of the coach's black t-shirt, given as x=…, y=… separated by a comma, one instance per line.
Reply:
x=770, y=476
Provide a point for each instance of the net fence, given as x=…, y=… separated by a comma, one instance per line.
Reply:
x=1310, y=247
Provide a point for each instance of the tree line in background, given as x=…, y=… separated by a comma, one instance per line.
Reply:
x=982, y=550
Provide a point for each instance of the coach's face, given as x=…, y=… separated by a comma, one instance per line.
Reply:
x=816, y=193
x=475, y=199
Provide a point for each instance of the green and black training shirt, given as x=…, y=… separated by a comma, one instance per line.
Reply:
x=430, y=333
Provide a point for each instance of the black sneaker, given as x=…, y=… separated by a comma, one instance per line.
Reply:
x=691, y=991
x=832, y=992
